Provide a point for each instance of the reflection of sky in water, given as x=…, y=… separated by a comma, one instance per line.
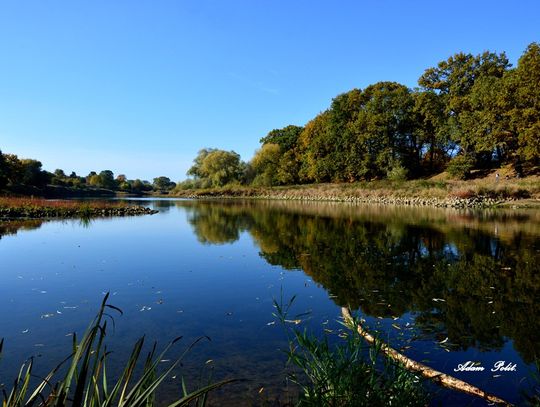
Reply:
x=168, y=283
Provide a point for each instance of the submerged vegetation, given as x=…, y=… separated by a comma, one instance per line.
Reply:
x=42, y=208
x=86, y=383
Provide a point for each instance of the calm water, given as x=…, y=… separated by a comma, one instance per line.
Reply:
x=444, y=286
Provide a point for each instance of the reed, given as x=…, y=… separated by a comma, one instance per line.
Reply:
x=85, y=382
x=347, y=373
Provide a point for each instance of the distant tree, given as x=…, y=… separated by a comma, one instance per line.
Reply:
x=14, y=169
x=3, y=171
x=137, y=186
x=265, y=164
x=453, y=80
x=125, y=186
x=106, y=180
x=163, y=184
x=121, y=178
x=316, y=150
x=94, y=180
x=59, y=173
x=33, y=173
x=286, y=137
x=384, y=133
x=217, y=167
x=525, y=117
x=429, y=127
x=196, y=168
x=289, y=164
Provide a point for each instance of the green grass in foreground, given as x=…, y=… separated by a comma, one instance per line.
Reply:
x=85, y=382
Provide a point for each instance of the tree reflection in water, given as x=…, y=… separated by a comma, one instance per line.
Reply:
x=481, y=268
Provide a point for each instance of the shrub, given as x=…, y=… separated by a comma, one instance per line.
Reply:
x=397, y=172
x=460, y=166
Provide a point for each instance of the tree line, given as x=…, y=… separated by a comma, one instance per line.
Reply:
x=470, y=112
x=17, y=173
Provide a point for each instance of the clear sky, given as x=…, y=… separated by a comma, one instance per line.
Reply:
x=139, y=86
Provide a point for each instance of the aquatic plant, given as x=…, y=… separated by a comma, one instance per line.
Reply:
x=346, y=373
x=86, y=383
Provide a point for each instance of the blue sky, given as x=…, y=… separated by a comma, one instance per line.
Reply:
x=138, y=87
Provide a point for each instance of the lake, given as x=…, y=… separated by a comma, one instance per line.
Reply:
x=444, y=286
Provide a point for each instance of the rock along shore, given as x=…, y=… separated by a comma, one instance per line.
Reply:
x=51, y=212
x=449, y=202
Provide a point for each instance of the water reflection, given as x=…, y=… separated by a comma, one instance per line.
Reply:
x=469, y=276
x=11, y=227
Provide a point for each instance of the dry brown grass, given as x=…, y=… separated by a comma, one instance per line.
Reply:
x=12, y=202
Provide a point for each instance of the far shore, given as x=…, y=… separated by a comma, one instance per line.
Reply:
x=479, y=193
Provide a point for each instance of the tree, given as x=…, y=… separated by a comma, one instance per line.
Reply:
x=106, y=179
x=286, y=138
x=315, y=150
x=215, y=168
x=3, y=171
x=94, y=180
x=453, y=80
x=137, y=186
x=163, y=184
x=429, y=128
x=525, y=117
x=265, y=163
x=384, y=133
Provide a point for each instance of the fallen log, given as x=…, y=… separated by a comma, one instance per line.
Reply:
x=438, y=377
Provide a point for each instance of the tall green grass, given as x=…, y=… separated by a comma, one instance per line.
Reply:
x=84, y=381
x=347, y=373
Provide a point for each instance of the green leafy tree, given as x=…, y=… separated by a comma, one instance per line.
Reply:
x=286, y=138
x=215, y=168
x=3, y=171
x=525, y=117
x=454, y=80
x=289, y=164
x=429, y=127
x=106, y=180
x=316, y=148
x=384, y=130
x=163, y=184
x=94, y=180
x=137, y=186
x=265, y=164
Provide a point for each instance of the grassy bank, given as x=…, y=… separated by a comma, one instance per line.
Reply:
x=431, y=192
x=41, y=208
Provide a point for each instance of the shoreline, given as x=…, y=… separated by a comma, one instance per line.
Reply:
x=25, y=208
x=459, y=195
